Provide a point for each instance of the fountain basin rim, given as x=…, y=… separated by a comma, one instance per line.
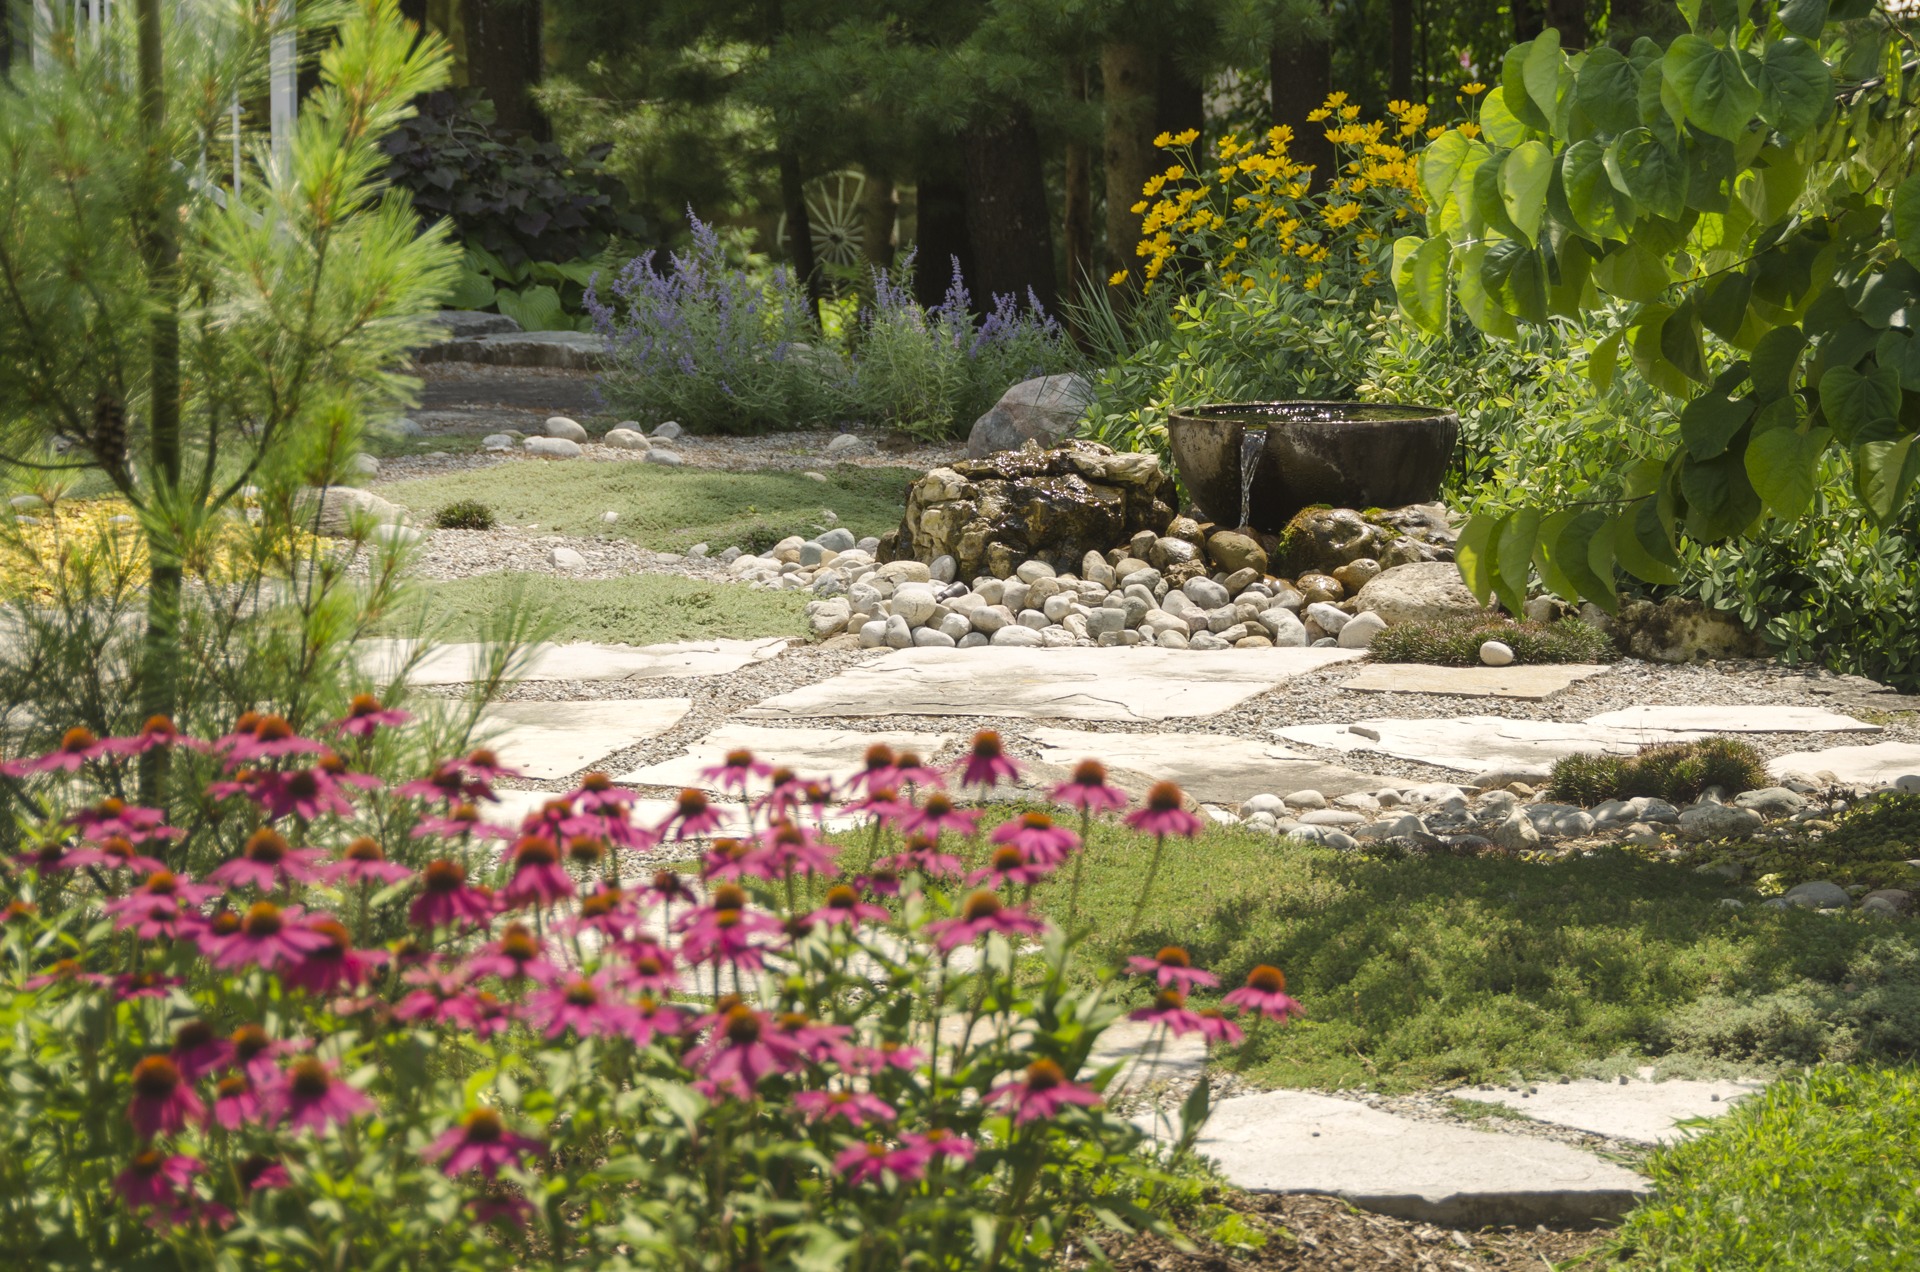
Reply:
x=1300, y=411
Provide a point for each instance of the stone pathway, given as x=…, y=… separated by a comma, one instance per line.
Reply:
x=1134, y=683
x=1530, y=683
x=1854, y=765
x=1643, y=1112
x=809, y=752
x=1210, y=768
x=550, y=740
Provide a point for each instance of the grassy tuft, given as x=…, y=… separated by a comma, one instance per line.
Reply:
x=638, y=609
x=1457, y=643
x=464, y=514
x=1674, y=771
x=670, y=509
x=1818, y=1171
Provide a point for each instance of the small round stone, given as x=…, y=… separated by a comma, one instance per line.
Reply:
x=1495, y=653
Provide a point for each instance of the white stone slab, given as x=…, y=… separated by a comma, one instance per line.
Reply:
x=809, y=752
x=1644, y=1112
x=1134, y=683
x=460, y=663
x=547, y=740
x=1733, y=719
x=1210, y=768
x=1874, y=765
x=1296, y=1142
x=1529, y=681
x=1474, y=744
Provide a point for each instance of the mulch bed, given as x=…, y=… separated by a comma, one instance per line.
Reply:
x=1308, y=1233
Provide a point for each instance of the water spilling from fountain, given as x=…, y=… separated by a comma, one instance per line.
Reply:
x=1252, y=442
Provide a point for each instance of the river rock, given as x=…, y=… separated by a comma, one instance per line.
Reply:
x=626, y=439
x=561, y=426
x=1496, y=653
x=1818, y=895
x=336, y=510
x=1358, y=632
x=1423, y=592
x=553, y=447
x=1718, y=821
x=566, y=559
x=1042, y=410
x=669, y=430
x=1232, y=552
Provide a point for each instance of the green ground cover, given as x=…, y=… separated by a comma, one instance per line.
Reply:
x=639, y=609
x=669, y=509
x=1819, y=1171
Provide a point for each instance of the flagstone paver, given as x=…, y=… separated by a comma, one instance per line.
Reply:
x=547, y=740
x=1210, y=768
x=1529, y=682
x=1854, y=765
x=1051, y=684
x=1733, y=719
x=1298, y=1142
x=809, y=752
x=1644, y=1112
x=1473, y=744
x=458, y=664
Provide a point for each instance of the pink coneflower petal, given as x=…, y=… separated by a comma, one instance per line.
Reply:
x=1089, y=791
x=482, y=1142
x=987, y=763
x=1041, y=1093
x=1265, y=992
x=1164, y=813
x=1173, y=968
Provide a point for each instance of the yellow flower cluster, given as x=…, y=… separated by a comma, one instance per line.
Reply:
x=78, y=538
x=1255, y=214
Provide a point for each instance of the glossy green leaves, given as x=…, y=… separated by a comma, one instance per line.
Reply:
x=1711, y=82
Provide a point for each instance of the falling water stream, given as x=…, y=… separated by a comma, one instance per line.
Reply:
x=1252, y=442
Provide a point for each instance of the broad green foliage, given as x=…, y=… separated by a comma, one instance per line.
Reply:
x=1739, y=205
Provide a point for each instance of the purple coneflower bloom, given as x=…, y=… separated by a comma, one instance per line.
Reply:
x=881, y=802
x=608, y=910
x=936, y=814
x=271, y=737
x=1035, y=835
x=857, y=1107
x=816, y=1040
x=843, y=905
x=787, y=849
x=268, y=934
x=68, y=971
x=254, y=1052
x=871, y=1162
x=116, y=817
x=692, y=816
x=649, y=966
x=364, y=861
x=311, y=793
x=163, y=1099
x=876, y=770
x=482, y=1142
x=1041, y=1093
x=538, y=877
x=334, y=965
x=597, y=794
x=923, y=856
x=198, y=1050
x=155, y=1179
x=908, y=769
x=258, y=1173
x=77, y=747
x=445, y=899
x=484, y=766
x=458, y=822
x=982, y=914
x=1215, y=1027
x=987, y=764
x=1163, y=814
x=366, y=713
x=235, y=1102
x=1266, y=993
x=115, y=852
x=890, y=1055
x=1089, y=791
x=266, y=862
x=941, y=1143
x=740, y=1050
x=143, y=985
x=584, y=1006
x=734, y=772
x=158, y=731
x=1172, y=967
x=648, y=1016
x=517, y=953
x=1170, y=1008
x=1011, y=864
x=310, y=1096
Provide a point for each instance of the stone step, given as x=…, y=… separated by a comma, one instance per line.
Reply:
x=1643, y=1112
x=564, y=350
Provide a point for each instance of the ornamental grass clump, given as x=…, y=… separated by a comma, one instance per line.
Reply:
x=1456, y=643
x=1678, y=772
x=302, y=1011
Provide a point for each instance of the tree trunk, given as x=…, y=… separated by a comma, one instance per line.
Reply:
x=1127, y=79
x=160, y=258
x=793, y=202
x=1400, y=50
x=1529, y=19
x=1302, y=78
x=1179, y=101
x=941, y=242
x=1569, y=18
x=879, y=216
x=1077, y=214
x=504, y=59
x=1007, y=219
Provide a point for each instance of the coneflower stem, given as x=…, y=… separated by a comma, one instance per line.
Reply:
x=1146, y=887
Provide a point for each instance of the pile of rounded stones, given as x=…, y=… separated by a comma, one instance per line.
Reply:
x=1514, y=818
x=563, y=438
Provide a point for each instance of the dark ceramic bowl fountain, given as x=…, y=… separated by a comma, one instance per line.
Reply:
x=1258, y=463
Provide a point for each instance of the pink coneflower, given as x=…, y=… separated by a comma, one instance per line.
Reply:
x=460, y=821
x=236, y=1103
x=268, y=934
x=130, y=985
x=448, y=783
x=1216, y=1028
x=1172, y=967
x=607, y=910
x=724, y=930
x=538, y=876
x=647, y=1016
x=857, y=1107
x=364, y=861
x=908, y=770
x=982, y=914
x=266, y=862
x=649, y=966
x=871, y=1162
x=734, y=772
x=335, y=965
x=586, y=851
x=818, y=1041
x=1266, y=993
x=939, y=1142
x=68, y=971
x=517, y=953
x=270, y=738
x=1011, y=864
x=550, y=819
x=883, y=803
x=163, y=1099
x=198, y=1050
x=480, y=1141
x=1169, y=1008
x=116, y=817
x=115, y=852
x=785, y=793
x=446, y=900
x=921, y=855
x=729, y=858
x=254, y=1053
x=480, y=1013
x=1163, y=814
x=158, y=731
x=891, y=1055
x=502, y=1207
x=311, y=793
x=19, y=912
x=1035, y=835
x=484, y=766
x=843, y=905
x=692, y=816
x=988, y=764
x=311, y=1097
x=584, y=1006
x=1089, y=791
x=258, y=1173
x=787, y=849
x=366, y=714
x=597, y=794
x=78, y=746
x=154, y=1179
x=936, y=814
x=881, y=881
x=1041, y=1093
x=740, y=1049
x=876, y=770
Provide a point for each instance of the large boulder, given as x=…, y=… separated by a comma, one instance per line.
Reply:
x=991, y=515
x=1321, y=540
x=1678, y=630
x=1420, y=592
x=1042, y=410
x=337, y=510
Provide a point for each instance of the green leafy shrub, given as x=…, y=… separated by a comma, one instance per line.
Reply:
x=1674, y=771
x=1456, y=643
x=464, y=514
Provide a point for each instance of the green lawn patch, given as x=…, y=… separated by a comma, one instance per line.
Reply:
x=1442, y=969
x=669, y=509
x=639, y=609
x=1818, y=1171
